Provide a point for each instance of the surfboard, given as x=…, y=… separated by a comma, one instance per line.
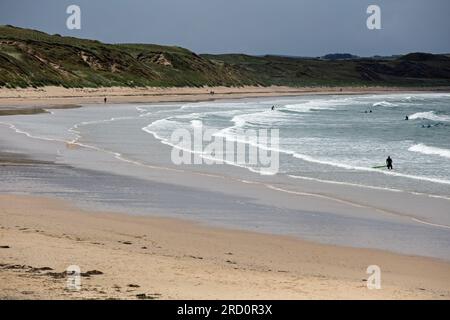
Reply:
x=379, y=167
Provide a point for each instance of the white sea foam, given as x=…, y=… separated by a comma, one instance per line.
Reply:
x=163, y=122
x=261, y=117
x=242, y=115
x=239, y=121
x=368, y=186
x=384, y=104
x=360, y=168
x=196, y=123
x=337, y=164
x=430, y=224
x=313, y=105
x=29, y=135
x=429, y=115
x=345, y=183
x=156, y=128
x=424, y=149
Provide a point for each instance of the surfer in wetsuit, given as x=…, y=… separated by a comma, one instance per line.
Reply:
x=273, y=108
x=389, y=163
x=406, y=118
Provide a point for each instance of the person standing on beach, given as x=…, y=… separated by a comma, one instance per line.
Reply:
x=104, y=100
x=389, y=163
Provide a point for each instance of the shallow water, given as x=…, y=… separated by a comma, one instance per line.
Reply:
x=340, y=138
x=326, y=138
x=330, y=138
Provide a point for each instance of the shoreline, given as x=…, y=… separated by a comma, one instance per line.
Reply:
x=133, y=257
x=194, y=260
x=55, y=97
x=239, y=185
x=299, y=202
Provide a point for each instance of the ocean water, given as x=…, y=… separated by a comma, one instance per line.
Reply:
x=107, y=156
x=332, y=138
x=339, y=139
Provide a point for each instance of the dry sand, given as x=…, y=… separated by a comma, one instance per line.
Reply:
x=55, y=96
x=172, y=259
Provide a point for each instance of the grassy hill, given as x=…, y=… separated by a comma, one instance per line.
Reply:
x=415, y=69
x=34, y=58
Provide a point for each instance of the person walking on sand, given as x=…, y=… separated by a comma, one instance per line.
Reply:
x=104, y=100
x=389, y=163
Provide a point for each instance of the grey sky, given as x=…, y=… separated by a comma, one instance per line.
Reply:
x=290, y=27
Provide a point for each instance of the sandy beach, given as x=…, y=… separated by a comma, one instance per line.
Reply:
x=189, y=155
x=153, y=258
x=57, y=96
x=125, y=256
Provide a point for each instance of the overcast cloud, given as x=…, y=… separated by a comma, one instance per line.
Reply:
x=289, y=27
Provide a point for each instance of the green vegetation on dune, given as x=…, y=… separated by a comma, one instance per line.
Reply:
x=34, y=58
x=416, y=69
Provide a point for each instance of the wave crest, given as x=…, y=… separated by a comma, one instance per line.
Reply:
x=428, y=150
x=384, y=104
x=429, y=115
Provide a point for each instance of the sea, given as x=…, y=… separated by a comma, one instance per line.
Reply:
x=110, y=157
x=336, y=139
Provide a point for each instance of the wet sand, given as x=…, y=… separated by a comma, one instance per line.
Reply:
x=130, y=257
